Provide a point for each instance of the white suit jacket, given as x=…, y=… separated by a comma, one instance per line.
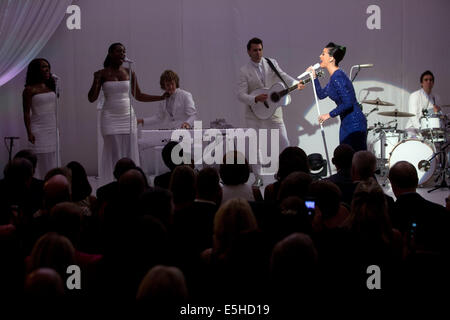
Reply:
x=419, y=100
x=250, y=81
x=183, y=111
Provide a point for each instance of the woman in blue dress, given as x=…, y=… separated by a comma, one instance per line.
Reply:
x=353, y=130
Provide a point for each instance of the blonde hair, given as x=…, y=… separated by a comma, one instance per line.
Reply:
x=163, y=284
x=233, y=218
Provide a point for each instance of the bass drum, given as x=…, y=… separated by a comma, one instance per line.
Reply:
x=418, y=153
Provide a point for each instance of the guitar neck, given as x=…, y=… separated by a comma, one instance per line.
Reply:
x=305, y=81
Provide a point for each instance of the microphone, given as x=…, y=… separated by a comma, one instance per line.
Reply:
x=54, y=76
x=315, y=67
x=128, y=60
x=12, y=138
x=361, y=66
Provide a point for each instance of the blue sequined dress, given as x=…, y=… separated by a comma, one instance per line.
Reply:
x=353, y=130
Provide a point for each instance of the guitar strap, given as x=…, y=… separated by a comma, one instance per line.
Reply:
x=276, y=71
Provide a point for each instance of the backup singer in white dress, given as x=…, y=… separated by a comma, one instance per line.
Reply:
x=39, y=109
x=118, y=121
x=118, y=127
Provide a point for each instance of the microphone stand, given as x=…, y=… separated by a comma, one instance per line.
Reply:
x=351, y=69
x=56, y=122
x=11, y=145
x=130, y=94
x=321, y=126
x=443, y=169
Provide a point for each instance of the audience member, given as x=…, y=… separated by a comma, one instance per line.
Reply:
x=290, y=160
x=234, y=172
x=420, y=220
x=342, y=160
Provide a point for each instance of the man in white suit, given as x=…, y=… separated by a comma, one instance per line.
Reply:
x=257, y=73
x=177, y=110
x=422, y=102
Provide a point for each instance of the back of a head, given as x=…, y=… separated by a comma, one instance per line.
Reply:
x=294, y=217
x=131, y=185
x=163, y=285
x=208, y=186
x=29, y=155
x=290, y=160
x=327, y=196
x=80, y=184
x=52, y=251
x=122, y=166
x=293, y=261
x=43, y=284
x=183, y=184
x=56, y=189
x=364, y=164
x=403, y=176
x=18, y=173
x=234, y=169
x=295, y=184
x=368, y=215
x=158, y=203
x=65, y=219
x=233, y=218
x=342, y=156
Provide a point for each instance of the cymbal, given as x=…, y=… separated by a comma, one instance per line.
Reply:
x=378, y=102
x=396, y=113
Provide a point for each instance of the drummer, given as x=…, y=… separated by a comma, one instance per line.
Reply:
x=422, y=103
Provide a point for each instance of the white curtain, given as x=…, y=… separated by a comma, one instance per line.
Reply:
x=25, y=28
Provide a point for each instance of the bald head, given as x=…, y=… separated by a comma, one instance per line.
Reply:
x=364, y=165
x=132, y=183
x=403, y=177
x=56, y=190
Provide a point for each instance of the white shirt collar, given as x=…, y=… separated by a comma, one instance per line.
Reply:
x=257, y=64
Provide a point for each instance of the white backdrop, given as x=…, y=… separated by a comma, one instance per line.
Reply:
x=204, y=42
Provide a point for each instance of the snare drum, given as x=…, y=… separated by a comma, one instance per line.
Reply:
x=418, y=153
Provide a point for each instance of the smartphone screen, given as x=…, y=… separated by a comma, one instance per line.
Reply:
x=310, y=206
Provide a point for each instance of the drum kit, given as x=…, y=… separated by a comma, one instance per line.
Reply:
x=424, y=148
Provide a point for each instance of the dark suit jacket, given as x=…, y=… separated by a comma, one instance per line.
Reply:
x=193, y=225
x=430, y=218
x=343, y=179
x=163, y=180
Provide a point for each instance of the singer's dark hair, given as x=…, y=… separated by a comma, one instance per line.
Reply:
x=254, y=41
x=426, y=73
x=111, y=48
x=34, y=75
x=167, y=76
x=336, y=51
